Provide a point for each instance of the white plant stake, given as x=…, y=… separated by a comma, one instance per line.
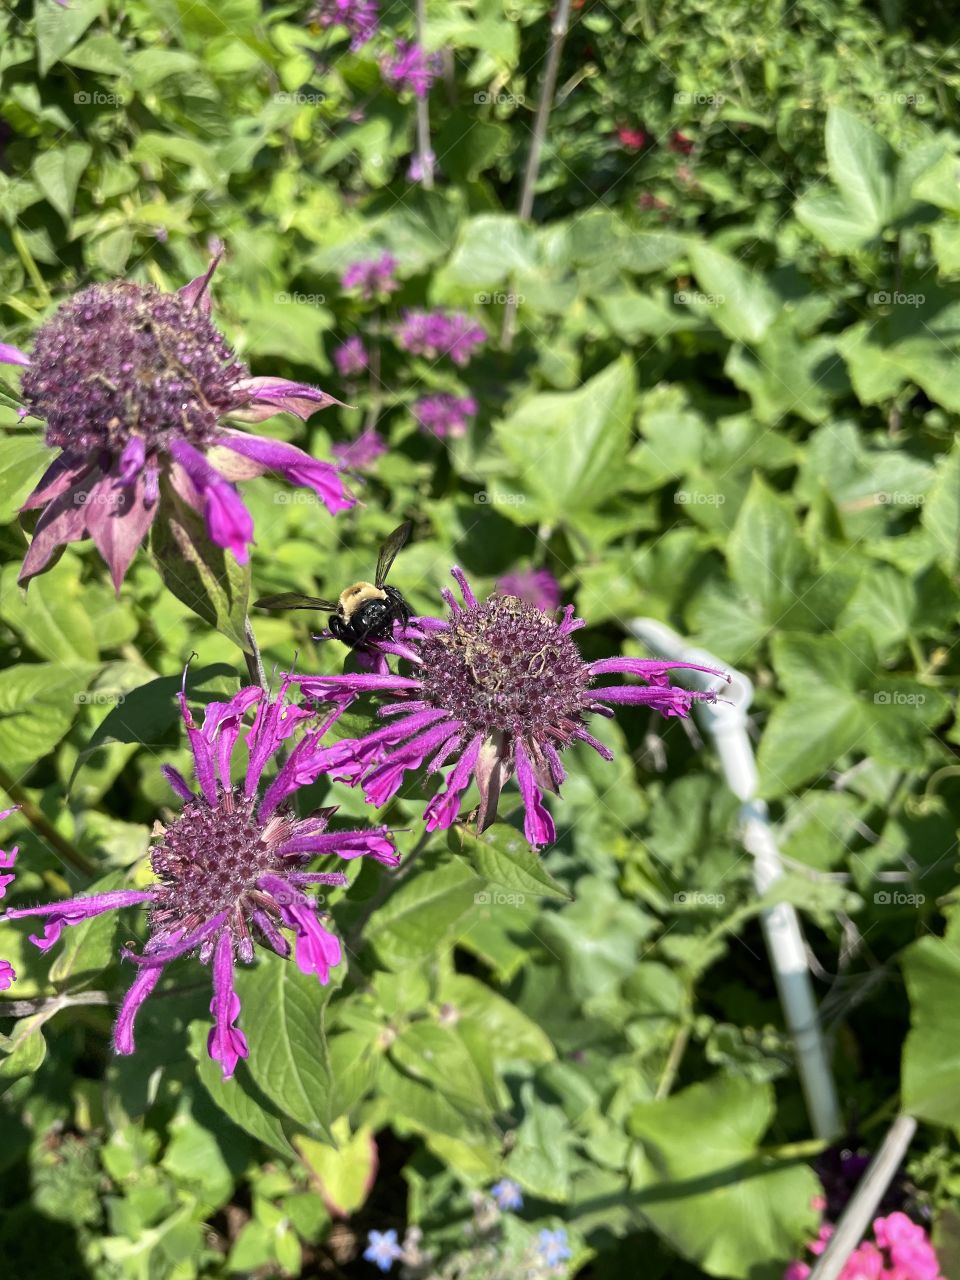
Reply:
x=726, y=724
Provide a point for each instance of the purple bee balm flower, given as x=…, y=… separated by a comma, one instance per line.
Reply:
x=133, y=384
x=497, y=689
x=411, y=67
x=444, y=415
x=507, y=1195
x=358, y=16
x=383, y=1249
x=351, y=357
x=361, y=453
x=552, y=1247
x=439, y=333
x=231, y=869
x=372, y=276
x=533, y=586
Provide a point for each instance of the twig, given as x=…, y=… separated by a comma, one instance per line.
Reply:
x=29, y=1008
x=558, y=34
x=73, y=857
x=861, y=1209
x=423, y=110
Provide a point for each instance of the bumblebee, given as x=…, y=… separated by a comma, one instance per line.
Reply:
x=365, y=611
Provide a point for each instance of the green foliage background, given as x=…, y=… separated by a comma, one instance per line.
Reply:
x=730, y=405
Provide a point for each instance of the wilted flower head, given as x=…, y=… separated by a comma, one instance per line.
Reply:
x=231, y=868
x=411, y=67
x=351, y=357
x=500, y=688
x=439, y=333
x=533, y=586
x=358, y=16
x=444, y=415
x=358, y=454
x=133, y=384
x=372, y=276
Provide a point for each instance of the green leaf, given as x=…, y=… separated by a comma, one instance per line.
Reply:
x=38, y=703
x=238, y=1098
x=931, y=1055
x=712, y=1197
x=541, y=1158
x=54, y=617
x=567, y=449
x=424, y=912
x=941, y=511
x=861, y=165
x=282, y=1018
x=765, y=553
x=58, y=29
x=58, y=174
x=346, y=1171
x=739, y=300
x=203, y=576
x=503, y=857
x=23, y=460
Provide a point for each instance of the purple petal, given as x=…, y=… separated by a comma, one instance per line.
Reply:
x=669, y=701
x=345, y=844
x=12, y=355
x=142, y=985
x=653, y=670
x=160, y=950
x=469, y=599
x=7, y=859
x=197, y=292
x=322, y=687
x=8, y=975
x=295, y=466
x=222, y=722
x=443, y=809
x=229, y=523
x=132, y=459
x=75, y=911
x=537, y=824
x=226, y=1044
x=63, y=521
x=317, y=949
x=581, y=735
x=178, y=782
x=269, y=396
x=202, y=755
x=118, y=520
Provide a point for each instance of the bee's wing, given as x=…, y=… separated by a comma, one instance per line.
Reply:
x=389, y=550
x=294, y=600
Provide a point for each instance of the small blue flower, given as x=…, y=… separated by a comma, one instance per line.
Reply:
x=383, y=1249
x=507, y=1194
x=552, y=1247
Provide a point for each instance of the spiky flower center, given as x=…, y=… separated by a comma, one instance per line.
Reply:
x=209, y=860
x=125, y=359
x=505, y=665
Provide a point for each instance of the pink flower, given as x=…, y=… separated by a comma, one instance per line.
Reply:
x=632, y=139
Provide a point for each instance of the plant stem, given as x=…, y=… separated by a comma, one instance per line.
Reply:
x=558, y=34
x=44, y=829
x=253, y=659
x=423, y=111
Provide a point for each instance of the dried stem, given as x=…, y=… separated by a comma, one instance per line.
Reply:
x=558, y=34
